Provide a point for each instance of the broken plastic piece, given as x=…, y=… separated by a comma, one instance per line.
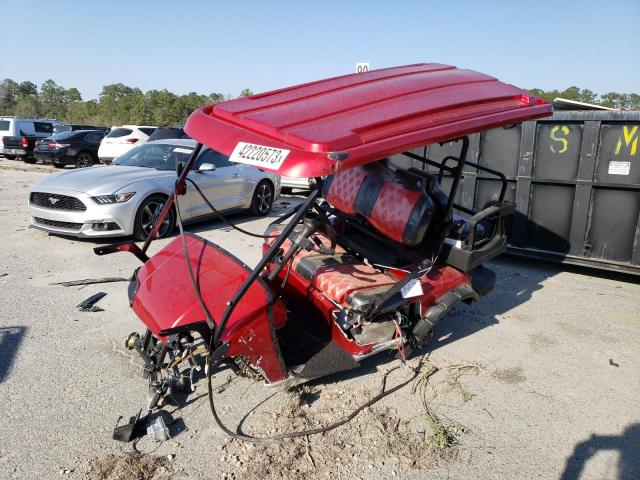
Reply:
x=158, y=430
x=125, y=433
x=89, y=305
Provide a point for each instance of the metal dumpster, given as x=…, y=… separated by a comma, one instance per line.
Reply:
x=575, y=180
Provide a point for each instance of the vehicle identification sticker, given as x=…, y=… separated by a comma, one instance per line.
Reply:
x=412, y=289
x=259, y=155
x=619, y=168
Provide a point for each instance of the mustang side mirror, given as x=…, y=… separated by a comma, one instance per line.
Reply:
x=179, y=168
x=206, y=167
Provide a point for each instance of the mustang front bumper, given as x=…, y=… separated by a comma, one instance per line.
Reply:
x=96, y=221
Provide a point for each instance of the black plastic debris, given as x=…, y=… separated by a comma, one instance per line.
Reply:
x=91, y=281
x=128, y=431
x=89, y=305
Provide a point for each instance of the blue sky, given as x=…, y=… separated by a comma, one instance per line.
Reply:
x=209, y=46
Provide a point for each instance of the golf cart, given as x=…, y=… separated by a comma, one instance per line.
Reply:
x=370, y=261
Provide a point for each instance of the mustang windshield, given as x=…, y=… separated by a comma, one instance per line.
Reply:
x=158, y=156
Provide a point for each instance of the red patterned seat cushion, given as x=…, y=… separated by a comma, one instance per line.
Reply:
x=339, y=281
x=344, y=189
x=399, y=210
x=392, y=209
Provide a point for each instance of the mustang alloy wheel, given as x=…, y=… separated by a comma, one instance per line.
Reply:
x=262, y=199
x=147, y=215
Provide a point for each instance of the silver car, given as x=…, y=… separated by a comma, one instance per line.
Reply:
x=125, y=198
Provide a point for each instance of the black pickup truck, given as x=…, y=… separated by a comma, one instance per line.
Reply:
x=20, y=147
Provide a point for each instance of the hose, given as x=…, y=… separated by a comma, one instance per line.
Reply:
x=311, y=431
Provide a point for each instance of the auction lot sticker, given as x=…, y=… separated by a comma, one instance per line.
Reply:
x=258, y=155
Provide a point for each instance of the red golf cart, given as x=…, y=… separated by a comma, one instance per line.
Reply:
x=370, y=261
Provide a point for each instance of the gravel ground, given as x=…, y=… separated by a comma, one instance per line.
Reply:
x=538, y=380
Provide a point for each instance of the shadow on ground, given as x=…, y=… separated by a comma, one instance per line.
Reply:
x=10, y=340
x=627, y=445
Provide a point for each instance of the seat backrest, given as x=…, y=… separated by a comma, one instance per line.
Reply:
x=396, y=205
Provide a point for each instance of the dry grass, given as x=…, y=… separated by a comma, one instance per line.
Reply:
x=131, y=466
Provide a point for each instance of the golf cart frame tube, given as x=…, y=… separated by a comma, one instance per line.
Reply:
x=266, y=259
x=179, y=188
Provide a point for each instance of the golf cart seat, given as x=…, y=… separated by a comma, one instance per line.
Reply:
x=387, y=216
x=339, y=276
x=396, y=205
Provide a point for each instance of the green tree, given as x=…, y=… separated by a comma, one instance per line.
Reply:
x=27, y=106
x=162, y=104
x=27, y=89
x=246, y=93
x=8, y=96
x=612, y=100
x=634, y=101
x=112, y=103
x=186, y=104
x=52, y=99
x=588, y=96
x=216, y=98
x=571, y=93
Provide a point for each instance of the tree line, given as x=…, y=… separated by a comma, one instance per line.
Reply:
x=117, y=104
x=120, y=104
x=622, y=101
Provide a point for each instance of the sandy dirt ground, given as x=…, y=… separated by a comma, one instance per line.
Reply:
x=538, y=380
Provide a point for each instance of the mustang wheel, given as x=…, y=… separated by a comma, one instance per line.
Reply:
x=84, y=159
x=146, y=218
x=29, y=159
x=262, y=199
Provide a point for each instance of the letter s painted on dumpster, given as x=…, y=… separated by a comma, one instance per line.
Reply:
x=556, y=138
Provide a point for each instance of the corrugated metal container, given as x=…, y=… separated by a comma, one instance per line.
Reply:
x=575, y=180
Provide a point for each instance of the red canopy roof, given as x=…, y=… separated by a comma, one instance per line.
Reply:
x=354, y=119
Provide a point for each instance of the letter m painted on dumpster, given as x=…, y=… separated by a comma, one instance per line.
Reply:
x=630, y=136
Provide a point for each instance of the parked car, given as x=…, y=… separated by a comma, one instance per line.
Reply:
x=66, y=127
x=124, y=198
x=166, y=132
x=289, y=183
x=79, y=148
x=121, y=139
x=18, y=136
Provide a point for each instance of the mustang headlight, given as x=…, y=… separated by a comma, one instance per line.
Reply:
x=115, y=198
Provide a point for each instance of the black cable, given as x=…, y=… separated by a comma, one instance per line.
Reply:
x=311, y=431
x=194, y=282
x=222, y=217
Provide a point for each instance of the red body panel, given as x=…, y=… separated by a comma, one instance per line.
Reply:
x=364, y=116
x=166, y=299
